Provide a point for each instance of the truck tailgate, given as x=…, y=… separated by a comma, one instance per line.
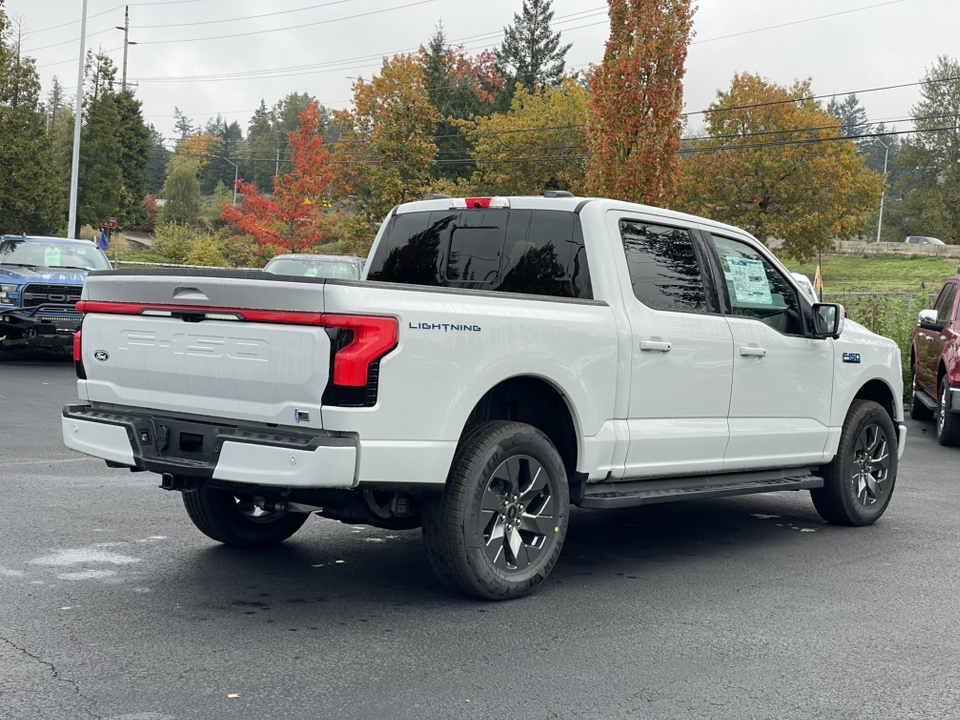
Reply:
x=172, y=351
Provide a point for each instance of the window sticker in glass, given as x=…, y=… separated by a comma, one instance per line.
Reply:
x=51, y=256
x=749, y=280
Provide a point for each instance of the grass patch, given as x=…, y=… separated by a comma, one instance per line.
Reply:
x=879, y=273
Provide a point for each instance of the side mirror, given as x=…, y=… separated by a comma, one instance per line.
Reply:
x=828, y=320
x=927, y=319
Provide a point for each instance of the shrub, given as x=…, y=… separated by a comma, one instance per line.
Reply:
x=174, y=241
x=206, y=251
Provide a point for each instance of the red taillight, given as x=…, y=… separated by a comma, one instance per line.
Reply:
x=78, y=356
x=479, y=203
x=373, y=337
x=90, y=306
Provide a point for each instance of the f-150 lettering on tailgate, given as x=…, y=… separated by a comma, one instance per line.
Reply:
x=212, y=346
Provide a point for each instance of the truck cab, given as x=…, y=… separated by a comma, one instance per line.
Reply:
x=935, y=360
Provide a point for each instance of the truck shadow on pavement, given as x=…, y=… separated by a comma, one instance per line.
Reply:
x=345, y=567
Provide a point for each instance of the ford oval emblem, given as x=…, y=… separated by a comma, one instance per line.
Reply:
x=101, y=355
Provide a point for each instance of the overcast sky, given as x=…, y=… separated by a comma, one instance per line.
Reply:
x=189, y=54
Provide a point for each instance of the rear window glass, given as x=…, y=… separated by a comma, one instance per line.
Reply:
x=524, y=251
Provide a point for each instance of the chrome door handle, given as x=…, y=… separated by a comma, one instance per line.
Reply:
x=752, y=351
x=655, y=345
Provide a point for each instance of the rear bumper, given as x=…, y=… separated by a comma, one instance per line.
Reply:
x=211, y=450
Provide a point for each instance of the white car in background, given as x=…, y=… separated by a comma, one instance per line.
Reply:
x=344, y=267
x=807, y=286
x=923, y=240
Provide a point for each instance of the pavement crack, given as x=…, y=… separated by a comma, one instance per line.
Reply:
x=56, y=675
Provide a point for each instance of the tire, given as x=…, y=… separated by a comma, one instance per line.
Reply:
x=859, y=481
x=948, y=425
x=497, y=529
x=235, y=520
x=918, y=411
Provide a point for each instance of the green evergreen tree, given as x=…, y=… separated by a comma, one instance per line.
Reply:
x=930, y=159
x=455, y=98
x=100, y=187
x=268, y=147
x=531, y=53
x=155, y=171
x=260, y=149
x=852, y=117
x=134, y=156
x=26, y=178
x=225, y=152
x=183, y=125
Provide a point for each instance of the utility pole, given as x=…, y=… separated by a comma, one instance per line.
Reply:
x=78, y=120
x=276, y=172
x=126, y=44
x=886, y=152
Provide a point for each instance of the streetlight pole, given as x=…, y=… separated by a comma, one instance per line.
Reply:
x=236, y=176
x=886, y=153
x=77, y=121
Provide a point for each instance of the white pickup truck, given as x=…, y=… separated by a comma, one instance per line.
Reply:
x=500, y=360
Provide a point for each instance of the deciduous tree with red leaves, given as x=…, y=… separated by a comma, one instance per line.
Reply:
x=637, y=97
x=294, y=219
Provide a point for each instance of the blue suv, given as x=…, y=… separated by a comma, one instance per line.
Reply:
x=40, y=282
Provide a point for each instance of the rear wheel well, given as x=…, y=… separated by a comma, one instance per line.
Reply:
x=534, y=402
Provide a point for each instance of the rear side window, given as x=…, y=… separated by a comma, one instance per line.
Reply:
x=663, y=265
x=540, y=252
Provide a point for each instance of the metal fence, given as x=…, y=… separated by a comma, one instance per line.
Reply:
x=914, y=301
x=137, y=263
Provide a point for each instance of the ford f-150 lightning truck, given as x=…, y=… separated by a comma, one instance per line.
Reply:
x=500, y=360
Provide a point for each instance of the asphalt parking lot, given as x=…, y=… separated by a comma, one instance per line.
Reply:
x=113, y=606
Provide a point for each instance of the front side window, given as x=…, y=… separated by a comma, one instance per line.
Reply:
x=756, y=288
x=945, y=303
x=664, y=269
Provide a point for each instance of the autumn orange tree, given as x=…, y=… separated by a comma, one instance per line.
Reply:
x=540, y=144
x=777, y=164
x=637, y=97
x=294, y=218
x=386, y=148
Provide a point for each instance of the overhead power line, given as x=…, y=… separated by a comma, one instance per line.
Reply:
x=292, y=27
x=114, y=9
x=796, y=22
x=241, y=19
x=582, y=156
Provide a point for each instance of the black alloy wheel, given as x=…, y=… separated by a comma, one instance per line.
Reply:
x=858, y=483
x=497, y=529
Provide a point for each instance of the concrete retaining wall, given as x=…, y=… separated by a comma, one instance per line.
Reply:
x=850, y=247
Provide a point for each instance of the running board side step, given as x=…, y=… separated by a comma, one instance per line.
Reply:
x=926, y=399
x=647, y=492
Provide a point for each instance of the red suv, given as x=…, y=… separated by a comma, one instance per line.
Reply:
x=935, y=359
